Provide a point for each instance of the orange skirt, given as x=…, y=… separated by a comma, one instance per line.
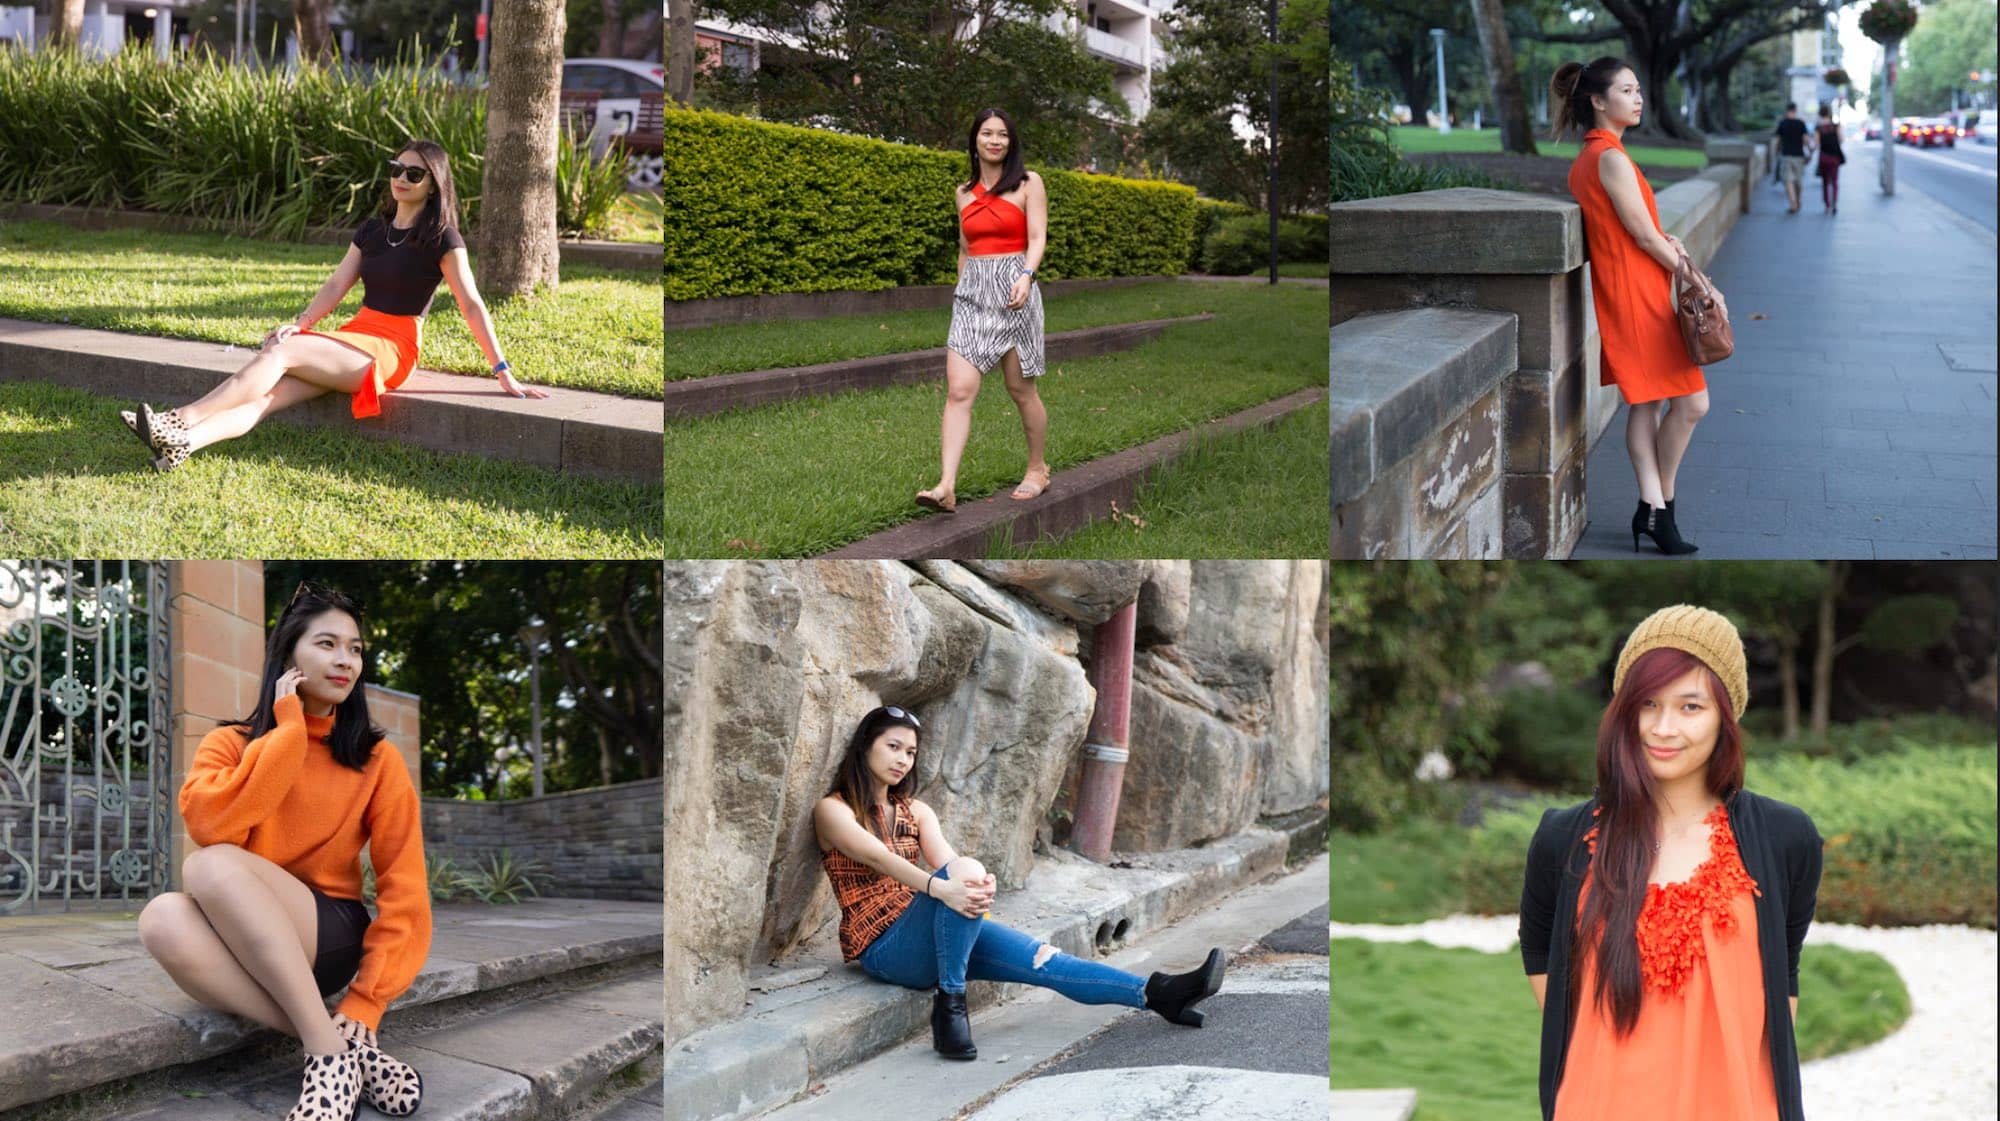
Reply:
x=391, y=341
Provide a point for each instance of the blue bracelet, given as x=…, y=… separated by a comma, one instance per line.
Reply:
x=501, y=365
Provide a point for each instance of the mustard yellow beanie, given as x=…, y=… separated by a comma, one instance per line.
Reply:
x=1705, y=634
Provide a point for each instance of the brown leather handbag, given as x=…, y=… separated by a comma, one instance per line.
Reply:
x=1704, y=323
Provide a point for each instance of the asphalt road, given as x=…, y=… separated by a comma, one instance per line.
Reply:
x=1962, y=178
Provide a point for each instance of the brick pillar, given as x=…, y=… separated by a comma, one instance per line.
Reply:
x=399, y=714
x=215, y=659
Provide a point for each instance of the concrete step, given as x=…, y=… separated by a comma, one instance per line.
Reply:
x=89, y=1009
x=810, y=1016
x=573, y=431
x=1373, y=1105
x=1076, y=496
x=694, y=397
x=554, y=1055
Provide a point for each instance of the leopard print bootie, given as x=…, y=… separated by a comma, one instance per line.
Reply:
x=331, y=1090
x=165, y=434
x=389, y=1084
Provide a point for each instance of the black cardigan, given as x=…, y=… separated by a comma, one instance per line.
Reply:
x=1780, y=849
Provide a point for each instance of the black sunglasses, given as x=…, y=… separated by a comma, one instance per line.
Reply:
x=903, y=714
x=411, y=173
x=338, y=599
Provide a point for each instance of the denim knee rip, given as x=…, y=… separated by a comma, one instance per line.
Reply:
x=1043, y=953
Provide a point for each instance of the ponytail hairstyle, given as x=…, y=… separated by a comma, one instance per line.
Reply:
x=1629, y=820
x=853, y=784
x=1570, y=91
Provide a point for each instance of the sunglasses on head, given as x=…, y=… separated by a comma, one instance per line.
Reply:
x=410, y=173
x=322, y=591
x=903, y=714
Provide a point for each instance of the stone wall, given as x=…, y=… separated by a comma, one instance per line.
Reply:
x=1413, y=424
x=769, y=665
x=602, y=843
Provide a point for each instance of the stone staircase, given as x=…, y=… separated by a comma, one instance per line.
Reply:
x=545, y=1009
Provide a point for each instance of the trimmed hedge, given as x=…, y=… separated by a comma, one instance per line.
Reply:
x=1237, y=246
x=753, y=207
x=1910, y=837
x=256, y=151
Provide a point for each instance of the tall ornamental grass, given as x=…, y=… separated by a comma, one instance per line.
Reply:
x=262, y=151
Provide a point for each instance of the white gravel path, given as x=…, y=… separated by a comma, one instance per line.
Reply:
x=1939, y=1066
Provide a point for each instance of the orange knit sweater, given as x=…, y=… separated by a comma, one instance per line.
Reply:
x=283, y=797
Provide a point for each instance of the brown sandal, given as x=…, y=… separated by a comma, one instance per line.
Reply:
x=946, y=503
x=1035, y=490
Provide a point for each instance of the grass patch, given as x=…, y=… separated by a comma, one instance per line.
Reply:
x=806, y=476
x=1406, y=873
x=635, y=218
x=600, y=330
x=75, y=483
x=734, y=347
x=1417, y=139
x=1461, y=1027
x=1316, y=270
x=1248, y=494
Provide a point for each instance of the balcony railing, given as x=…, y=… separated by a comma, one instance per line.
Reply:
x=1112, y=47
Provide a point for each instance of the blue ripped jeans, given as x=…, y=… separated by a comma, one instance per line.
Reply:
x=933, y=946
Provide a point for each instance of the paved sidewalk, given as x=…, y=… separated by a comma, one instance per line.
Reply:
x=1856, y=420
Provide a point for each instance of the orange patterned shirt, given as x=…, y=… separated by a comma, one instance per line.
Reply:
x=870, y=901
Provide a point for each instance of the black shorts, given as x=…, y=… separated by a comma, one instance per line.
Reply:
x=342, y=922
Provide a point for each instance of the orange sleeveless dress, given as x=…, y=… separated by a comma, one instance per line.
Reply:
x=1699, y=1048
x=1643, y=353
x=871, y=902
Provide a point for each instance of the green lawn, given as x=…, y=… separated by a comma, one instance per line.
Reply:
x=1415, y=138
x=75, y=483
x=806, y=476
x=1405, y=874
x=599, y=330
x=734, y=347
x=1461, y=1027
x=1250, y=494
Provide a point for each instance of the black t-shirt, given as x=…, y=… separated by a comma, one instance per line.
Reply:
x=1791, y=137
x=399, y=276
x=1829, y=141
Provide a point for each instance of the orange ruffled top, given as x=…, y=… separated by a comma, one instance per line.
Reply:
x=1699, y=1048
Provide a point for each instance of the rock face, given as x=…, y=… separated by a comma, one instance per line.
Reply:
x=770, y=665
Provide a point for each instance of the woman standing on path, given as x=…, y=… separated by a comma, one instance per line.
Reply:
x=271, y=921
x=1661, y=920
x=400, y=256
x=1830, y=159
x=996, y=311
x=930, y=930
x=1632, y=264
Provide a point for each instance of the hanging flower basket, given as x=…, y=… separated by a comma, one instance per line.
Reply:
x=1836, y=78
x=1887, y=21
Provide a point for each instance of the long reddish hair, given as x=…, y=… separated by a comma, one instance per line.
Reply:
x=1628, y=820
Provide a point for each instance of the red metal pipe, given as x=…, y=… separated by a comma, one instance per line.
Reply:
x=1106, y=747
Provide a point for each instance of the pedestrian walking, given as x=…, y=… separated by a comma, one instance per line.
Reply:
x=1830, y=159
x=1793, y=147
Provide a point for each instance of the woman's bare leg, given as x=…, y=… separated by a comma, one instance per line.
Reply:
x=235, y=420
x=262, y=914
x=1675, y=432
x=319, y=361
x=1034, y=417
x=178, y=935
x=961, y=388
x=1642, y=426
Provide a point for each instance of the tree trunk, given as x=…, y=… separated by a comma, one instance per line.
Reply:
x=1515, y=133
x=611, y=33
x=309, y=23
x=1656, y=63
x=517, y=210
x=680, y=50
x=1823, y=652
x=66, y=23
x=1788, y=681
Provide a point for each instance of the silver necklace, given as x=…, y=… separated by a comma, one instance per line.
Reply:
x=406, y=234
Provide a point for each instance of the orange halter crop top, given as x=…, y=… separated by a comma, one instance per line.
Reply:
x=992, y=225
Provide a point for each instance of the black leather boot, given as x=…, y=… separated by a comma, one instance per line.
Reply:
x=951, y=1030
x=1658, y=524
x=1174, y=995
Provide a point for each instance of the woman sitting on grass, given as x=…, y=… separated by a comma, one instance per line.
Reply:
x=399, y=256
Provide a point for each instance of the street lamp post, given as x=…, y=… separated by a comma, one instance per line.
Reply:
x=1444, y=111
x=532, y=636
x=1889, y=116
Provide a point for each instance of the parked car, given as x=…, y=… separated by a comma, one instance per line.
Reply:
x=1873, y=130
x=1924, y=132
x=625, y=88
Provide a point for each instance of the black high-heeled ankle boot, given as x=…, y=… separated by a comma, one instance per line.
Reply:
x=1658, y=524
x=951, y=1029
x=1174, y=995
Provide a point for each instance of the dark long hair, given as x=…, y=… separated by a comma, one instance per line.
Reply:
x=441, y=209
x=1572, y=86
x=1628, y=821
x=1012, y=167
x=354, y=735
x=851, y=781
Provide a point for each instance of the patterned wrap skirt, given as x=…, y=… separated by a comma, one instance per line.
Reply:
x=392, y=341
x=983, y=327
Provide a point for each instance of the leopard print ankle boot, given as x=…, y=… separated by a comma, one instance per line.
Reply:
x=331, y=1090
x=389, y=1084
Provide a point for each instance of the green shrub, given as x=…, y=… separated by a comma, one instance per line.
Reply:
x=1208, y=212
x=261, y=151
x=1238, y=245
x=1910, y=837
x=1863, y=739
x=753, y=207
x=1547, y=737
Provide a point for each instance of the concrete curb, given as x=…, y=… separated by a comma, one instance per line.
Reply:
x=638, y=256
x=1076, y=497
x=685, y=314
x=795, y=1037
x=572, y=431
x=705, y=396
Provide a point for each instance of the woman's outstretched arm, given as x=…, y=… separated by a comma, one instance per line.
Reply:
x=457, y=269
x=325, y=300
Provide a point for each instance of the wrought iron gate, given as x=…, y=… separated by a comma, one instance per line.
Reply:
x=85, y=769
